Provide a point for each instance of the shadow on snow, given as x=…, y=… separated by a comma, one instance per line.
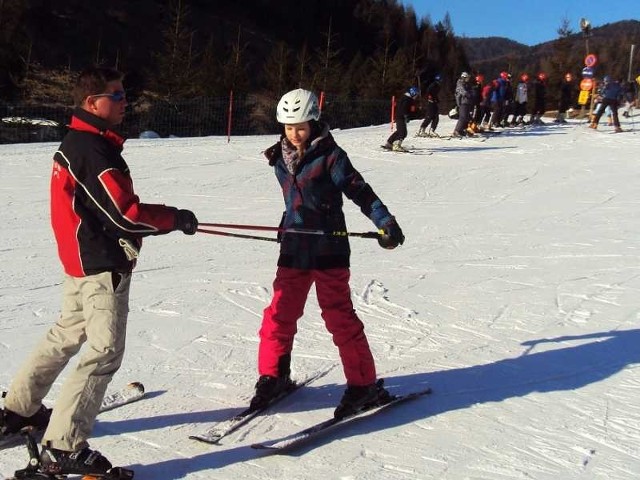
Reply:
x=569, y=367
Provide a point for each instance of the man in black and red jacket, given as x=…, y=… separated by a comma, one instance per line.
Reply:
x=98, y=222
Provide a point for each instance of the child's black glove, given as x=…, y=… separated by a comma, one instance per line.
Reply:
x=392, y=236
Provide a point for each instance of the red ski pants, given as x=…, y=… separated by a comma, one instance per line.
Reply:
x=290, y=289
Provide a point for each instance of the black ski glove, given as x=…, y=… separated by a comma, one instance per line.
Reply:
x=186, y=221
x=392, y=236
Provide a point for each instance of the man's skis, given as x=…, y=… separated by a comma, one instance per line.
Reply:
x=131, y=392
x=303, y=436
x=219, y=430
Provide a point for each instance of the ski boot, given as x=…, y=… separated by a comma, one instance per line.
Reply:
x=397, y=146
x=11, y=423
x=53, y=464
x=269, y=388
x=359, y=398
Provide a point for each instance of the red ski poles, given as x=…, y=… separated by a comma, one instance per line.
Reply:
x=303, y=231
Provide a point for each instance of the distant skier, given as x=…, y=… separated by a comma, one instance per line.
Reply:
x=498, y=97
x=476, y=103
x=432, y=113
x=314, y=174
x=539, y=99
x=610, y=97
x=520, y=100
x=464, y=100
x=566, y=98
x=404, y=110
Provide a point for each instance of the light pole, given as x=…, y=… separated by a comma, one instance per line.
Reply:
x=585, y=27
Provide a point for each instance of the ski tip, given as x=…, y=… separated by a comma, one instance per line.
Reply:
x=209, y=441
x=262, y=446
x=137, y=386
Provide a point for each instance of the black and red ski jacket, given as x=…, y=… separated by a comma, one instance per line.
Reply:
x=93, y=204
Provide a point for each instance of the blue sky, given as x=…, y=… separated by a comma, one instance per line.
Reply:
x=525, y=21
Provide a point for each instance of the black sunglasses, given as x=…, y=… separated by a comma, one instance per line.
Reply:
x=118, y=96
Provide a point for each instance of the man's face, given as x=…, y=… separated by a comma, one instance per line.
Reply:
x=109, y=105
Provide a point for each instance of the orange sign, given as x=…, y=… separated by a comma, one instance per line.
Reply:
x=590, y=60
x=586, y=84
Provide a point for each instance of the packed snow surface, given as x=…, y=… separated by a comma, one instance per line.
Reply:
x=516, y=297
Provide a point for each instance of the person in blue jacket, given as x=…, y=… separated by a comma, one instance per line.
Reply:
x=610, y=97
x=314, y=174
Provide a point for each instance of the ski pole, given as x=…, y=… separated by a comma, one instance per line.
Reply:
x=307, y=231
x=236, y=235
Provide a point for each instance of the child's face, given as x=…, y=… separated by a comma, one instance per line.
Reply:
x=297, y=133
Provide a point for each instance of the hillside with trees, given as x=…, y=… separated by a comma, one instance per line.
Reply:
x=187, y=48
x=179, y=52
x=611, y=43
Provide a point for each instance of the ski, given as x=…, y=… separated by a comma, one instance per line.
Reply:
x=131, y=392
x=434, y=135
x=303, y=436
x=411, y=151
x=476, y=138
x=221, y=429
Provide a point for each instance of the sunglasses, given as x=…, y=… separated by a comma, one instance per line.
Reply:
x=114, y=97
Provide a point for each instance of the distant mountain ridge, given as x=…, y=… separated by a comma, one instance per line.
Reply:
x=610, y=42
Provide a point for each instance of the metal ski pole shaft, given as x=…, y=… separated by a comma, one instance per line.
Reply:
x=307, y=231
x=236, y=235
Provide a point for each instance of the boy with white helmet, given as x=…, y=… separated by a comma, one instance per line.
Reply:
x=464, y=99
x=314, y=173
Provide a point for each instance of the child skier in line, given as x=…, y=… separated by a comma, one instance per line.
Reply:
x=406, y=107
x=432, y=114
x=314, y=173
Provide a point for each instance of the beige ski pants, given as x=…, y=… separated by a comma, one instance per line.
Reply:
x=94, y=311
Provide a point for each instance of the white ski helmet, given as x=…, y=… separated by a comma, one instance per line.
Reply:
x=298, y=106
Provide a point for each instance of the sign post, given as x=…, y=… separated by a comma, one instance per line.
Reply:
x=587, y=85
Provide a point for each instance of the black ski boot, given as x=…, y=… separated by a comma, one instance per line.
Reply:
x=269, y=387
x=357, y=398
x=11, y=422
x=53, y=464
x=82, y=462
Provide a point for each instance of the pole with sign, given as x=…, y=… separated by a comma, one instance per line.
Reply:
x=588, y=84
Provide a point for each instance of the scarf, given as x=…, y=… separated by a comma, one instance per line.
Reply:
x=290, y=155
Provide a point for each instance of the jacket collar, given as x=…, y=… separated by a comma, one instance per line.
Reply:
x=84, y=121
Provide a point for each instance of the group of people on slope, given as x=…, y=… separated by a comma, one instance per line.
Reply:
x=99, y=223
x=498, y=104
x=484, y=106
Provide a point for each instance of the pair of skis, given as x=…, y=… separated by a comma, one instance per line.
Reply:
x=218, y=431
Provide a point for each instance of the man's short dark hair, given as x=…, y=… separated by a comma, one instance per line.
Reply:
x=93, y=81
